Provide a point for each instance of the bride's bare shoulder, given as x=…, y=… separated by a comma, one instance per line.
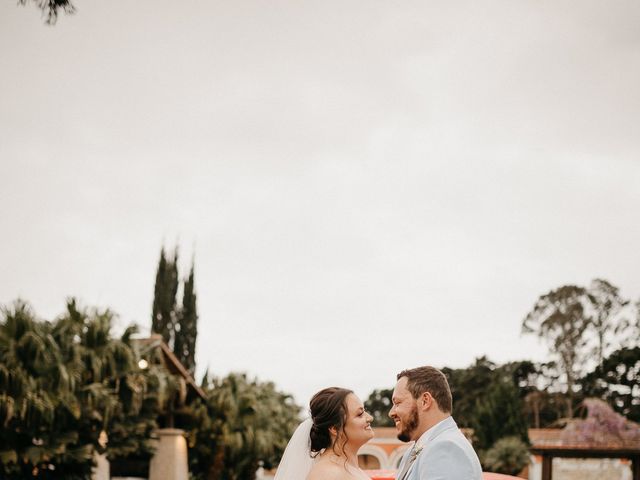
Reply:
x=327, y=471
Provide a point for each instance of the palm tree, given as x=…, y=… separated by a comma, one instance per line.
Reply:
x=35, y=383
x=244, y=423
x=62, y=384
x=116, y=395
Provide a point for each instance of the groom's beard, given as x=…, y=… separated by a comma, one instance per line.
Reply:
x=409, y=425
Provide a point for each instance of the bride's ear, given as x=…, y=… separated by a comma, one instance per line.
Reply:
x=333, y=431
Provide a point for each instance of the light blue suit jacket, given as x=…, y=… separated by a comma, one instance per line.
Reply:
x=446, y=455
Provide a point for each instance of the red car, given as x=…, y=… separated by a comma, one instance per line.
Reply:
x=391, y=475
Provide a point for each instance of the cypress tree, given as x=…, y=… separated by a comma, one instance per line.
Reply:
x=187, y=331
x=164, y=316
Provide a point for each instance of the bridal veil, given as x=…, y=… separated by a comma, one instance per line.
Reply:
x=296, y=461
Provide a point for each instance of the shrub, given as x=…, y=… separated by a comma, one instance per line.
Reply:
x=509, y=455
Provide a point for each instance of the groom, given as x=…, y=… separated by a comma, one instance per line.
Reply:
x=422, y=413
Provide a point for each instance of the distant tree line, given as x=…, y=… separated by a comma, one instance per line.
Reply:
x=593, y=336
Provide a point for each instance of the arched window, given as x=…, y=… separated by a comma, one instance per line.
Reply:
x=368, y=462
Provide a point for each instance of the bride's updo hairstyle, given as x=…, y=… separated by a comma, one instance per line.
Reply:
x=328, y=409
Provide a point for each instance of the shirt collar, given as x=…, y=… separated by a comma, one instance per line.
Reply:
x=438, y=428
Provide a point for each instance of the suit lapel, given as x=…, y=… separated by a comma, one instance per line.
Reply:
x=409, y=468
x=423, y=442
x=406, y=464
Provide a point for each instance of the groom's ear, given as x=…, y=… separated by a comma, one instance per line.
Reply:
x=426, y=401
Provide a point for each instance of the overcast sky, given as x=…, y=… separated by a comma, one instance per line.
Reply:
x=366, y=185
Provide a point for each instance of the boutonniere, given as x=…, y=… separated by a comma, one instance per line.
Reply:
x=416, y=451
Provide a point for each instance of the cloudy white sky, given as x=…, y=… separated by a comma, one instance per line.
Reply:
x=365, y=185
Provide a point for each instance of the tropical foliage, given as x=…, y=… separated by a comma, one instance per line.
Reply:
x=67, y=386
x=62, y=384
x=243, y=424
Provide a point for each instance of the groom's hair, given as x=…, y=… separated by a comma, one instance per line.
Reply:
x=432, y=380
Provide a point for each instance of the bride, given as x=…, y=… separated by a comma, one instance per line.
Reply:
x=325, y=447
